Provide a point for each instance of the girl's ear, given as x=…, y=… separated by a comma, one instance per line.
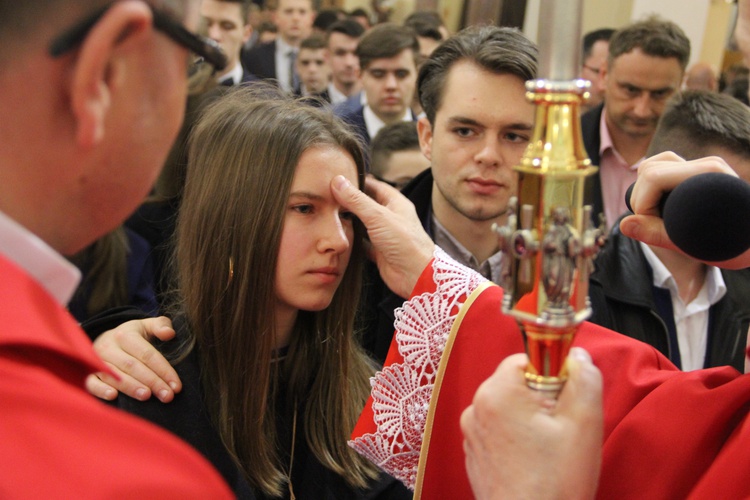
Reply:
x=103, y=54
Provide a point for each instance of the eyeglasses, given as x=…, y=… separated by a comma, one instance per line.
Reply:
x=207, y=50
x=593, y=70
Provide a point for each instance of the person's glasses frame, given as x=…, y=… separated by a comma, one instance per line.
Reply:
x=206, y=49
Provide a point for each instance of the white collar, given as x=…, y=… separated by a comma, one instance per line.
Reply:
x=374, y=124
x=235, y=74
x=58, y=276
x=714, y=285
x=335, y=94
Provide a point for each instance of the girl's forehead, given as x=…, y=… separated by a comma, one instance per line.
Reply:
x=320, y=164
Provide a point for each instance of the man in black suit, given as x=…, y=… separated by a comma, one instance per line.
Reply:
x=226, y=23
x=645, y=67
x=277, y=60
x=387, y=57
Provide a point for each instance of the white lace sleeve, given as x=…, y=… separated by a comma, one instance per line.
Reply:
x=401, y=392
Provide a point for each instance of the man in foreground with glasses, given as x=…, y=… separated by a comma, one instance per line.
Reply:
x=86, y=126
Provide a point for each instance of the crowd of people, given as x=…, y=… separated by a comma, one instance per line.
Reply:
x=229, y=195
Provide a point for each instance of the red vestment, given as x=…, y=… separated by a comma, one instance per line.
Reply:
x=668, y=434
x=58, y=441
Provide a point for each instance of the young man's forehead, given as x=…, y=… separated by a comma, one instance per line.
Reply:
x=282, y=5
x=222, y=11
x=337, y=38
x=311, y=54
x=398, y=61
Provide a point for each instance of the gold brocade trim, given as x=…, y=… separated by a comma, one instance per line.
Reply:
x=438, y=383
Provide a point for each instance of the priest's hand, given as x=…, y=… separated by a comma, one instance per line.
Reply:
x=521, y=444
x=400, y=246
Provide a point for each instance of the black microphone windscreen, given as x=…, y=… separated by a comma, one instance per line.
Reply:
x=708, y=216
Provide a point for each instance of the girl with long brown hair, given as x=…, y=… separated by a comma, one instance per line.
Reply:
x=269, y=273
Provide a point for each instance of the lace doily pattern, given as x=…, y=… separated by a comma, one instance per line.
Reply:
x=401, y=392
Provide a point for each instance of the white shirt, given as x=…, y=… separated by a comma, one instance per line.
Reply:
x=374, y=124
x=691, y=320
x=235, y=74
x=58, y=276
x=282, y=64
x=335, y=94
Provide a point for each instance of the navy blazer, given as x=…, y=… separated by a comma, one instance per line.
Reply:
x=356, y=118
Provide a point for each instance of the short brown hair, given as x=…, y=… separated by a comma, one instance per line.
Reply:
x=497, y=50
x=696, y=122
x=655, y=37
x=385, y=41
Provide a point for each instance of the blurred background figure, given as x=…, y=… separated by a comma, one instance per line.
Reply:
x=276, y=60
x=226, y=23
x=254, y=19
x=341, y=54
x=739, y=90
x=430, y=30
x=314, y=72
x=731, y=73
x=362, y=17
x=734, y=81
x=701, y=76
x=395, y=155
x=325, y=18
x=594, y=57
x=117, y=271
x=388, y=56
x=267, y=32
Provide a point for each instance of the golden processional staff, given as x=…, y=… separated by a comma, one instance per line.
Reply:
x=549, y=240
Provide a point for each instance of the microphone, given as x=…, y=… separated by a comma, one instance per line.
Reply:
x=707, y=216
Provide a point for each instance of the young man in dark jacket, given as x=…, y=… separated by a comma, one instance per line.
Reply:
x=697, y=315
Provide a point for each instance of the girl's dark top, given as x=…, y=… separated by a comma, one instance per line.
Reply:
x=187, y=417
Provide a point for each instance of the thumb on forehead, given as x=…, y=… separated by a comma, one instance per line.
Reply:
x=353, y=199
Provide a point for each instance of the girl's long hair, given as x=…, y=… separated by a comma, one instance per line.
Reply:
x=243, y=155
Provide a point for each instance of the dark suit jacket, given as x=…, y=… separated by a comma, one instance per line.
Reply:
x=624, y=299
x=261, y=61
x=356, y=118
x=592, y=142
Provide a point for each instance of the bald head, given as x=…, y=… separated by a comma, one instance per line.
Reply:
x=701, y=76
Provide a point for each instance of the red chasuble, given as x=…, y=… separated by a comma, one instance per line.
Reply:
x=668, y=434
x=58, y=441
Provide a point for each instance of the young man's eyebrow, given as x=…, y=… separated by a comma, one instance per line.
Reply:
x=463, y=120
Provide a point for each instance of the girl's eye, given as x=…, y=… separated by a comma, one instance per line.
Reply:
x=303, y=209
x=348, y=216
